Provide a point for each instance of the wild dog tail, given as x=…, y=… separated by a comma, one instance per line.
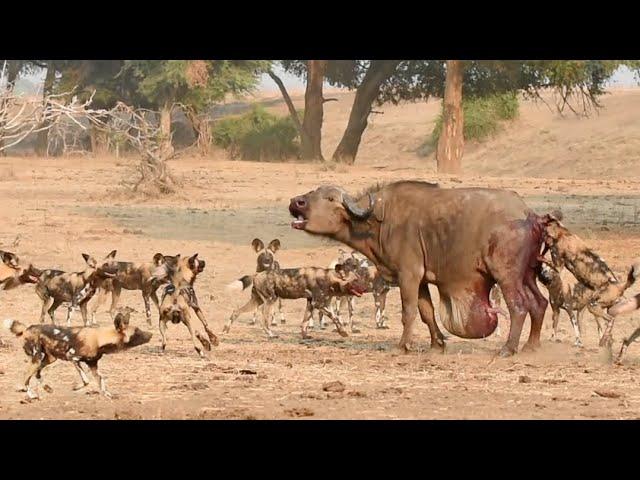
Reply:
x=241, y=283
x=634, y=273
x=14, y=327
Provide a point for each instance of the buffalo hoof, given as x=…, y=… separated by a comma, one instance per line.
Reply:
x=506, y=351
x=343, y=333
x=437, y=347
x=531, y=347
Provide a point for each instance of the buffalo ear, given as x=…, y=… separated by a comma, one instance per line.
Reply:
x=257, y=244
x=379, y=209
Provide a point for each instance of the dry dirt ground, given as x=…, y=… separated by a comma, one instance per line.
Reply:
x=53, y=210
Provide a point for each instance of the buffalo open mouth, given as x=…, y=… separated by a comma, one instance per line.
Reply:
x=300, y=221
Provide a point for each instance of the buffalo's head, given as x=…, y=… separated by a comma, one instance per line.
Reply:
x=328, y=209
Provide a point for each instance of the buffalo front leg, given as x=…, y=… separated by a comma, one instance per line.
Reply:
x=427, y=314
x=409, y=286
x=536, y=306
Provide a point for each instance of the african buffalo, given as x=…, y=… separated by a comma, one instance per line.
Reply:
x=463, y=240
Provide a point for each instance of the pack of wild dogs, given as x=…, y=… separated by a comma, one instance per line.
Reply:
x=380, y=259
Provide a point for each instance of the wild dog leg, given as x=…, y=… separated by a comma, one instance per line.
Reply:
x=147, y=308
x=380, y=301
x=575, y=325
x=46, y=302
x=93, y=367
x=193, y=303
x=31, y=371
x=308, y=312
x=282, y=319
x=597, y=311
x=350, y=301
x=101, y=298
x=253, y=303
x=626, y=342
x=115, y=298
x=428, y=316
x=156, y=302
x=52, y=311
x=83, y=312
x=163, y=333
x=83, y=377
x=193, y=337
x=323, y=306
x=266, y=316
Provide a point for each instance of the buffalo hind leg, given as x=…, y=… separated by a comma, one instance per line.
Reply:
x=516, y=304
x=427, y=314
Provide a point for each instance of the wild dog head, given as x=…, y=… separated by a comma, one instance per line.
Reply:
x=554, y=229
x=346, y=280
x=174, y=306
x=266, y=256
x=129, y=336
x=107, y=268
x=178, y=269
x=13, y=272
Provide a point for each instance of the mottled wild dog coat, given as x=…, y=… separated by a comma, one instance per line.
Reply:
x=373, y=283
x=572, y=298
x=56, y=287
x=570, y=251
x=182, y=272
x=463, y=240
x=317, y=285
x=266, y=261
x=44, y=344
x=131, y=276
x=14, y=273
x=174, y=308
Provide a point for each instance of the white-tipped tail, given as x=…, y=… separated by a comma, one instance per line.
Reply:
x=8, y=323
x=235, y=285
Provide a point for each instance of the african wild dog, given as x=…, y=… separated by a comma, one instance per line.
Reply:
x=174, y=307
x=55, y=287
x=373, y=282
x=131, y=276
x=573, y=299
x=266, y=261
x=182, y=273
x=570, y=251
x=14, y=273
x=45, y=344
x=317, y=285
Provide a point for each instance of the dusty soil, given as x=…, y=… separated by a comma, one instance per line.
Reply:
x=53, y=210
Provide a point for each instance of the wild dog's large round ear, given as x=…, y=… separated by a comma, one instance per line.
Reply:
x=274, y=245
x=257, y=244
x=340, y=269
x=158, y=259
x=112, y=254
x=89, y=260
x=192, y=260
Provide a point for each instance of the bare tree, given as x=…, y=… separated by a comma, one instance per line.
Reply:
x=140, y=128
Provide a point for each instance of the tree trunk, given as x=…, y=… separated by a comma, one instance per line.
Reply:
x=202, y=131
x=42, y=141
x=166, y=147
x=293, y=113
x=313, y=111
x=367, y=92
x=99, y=141
x=451, y=141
